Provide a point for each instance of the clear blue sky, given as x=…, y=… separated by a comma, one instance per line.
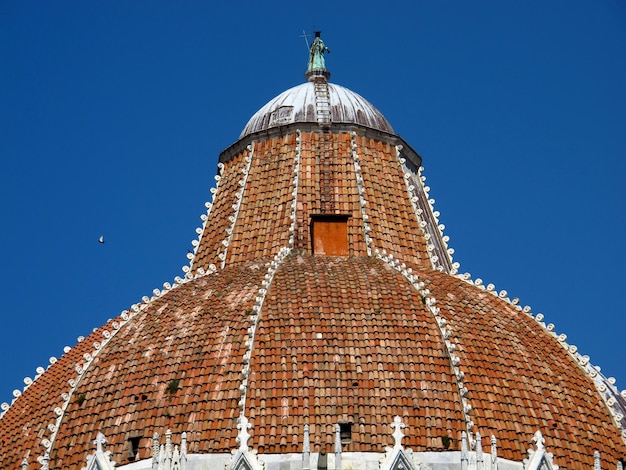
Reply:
x=112, y=116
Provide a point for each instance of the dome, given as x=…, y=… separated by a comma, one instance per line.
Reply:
x=337, y=340
x=278, y=325
x=298, y=104
x=321, y=313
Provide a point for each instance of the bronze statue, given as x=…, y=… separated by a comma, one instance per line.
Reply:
x=316, y=57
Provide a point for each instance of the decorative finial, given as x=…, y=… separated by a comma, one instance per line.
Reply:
x=464, y=451
x=397, y=426
x=243, y=436
x=317, y=63
x=306, y=449
x=183, y=445
x=155, y=451
x=337, y=446
x=538, y=440
x=100, y=441
x=479, y=452
x=494, y=452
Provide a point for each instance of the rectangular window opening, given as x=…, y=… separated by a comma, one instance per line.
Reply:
x=133, y=448
x=345, y=432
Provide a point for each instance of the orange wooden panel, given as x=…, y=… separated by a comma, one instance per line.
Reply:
x=330, y=236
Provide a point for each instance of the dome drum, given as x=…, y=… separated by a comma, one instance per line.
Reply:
x=408, y=152
x=312, y=174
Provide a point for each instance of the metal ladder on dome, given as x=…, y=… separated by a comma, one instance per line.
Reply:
x=322, y=103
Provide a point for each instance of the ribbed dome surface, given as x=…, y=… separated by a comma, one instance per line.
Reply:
x=338, y=339
x=298, y=104
x=321, y=291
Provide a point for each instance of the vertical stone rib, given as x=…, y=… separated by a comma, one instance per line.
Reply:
x=439, y=253
x=444, y=331
x=361, y=190
x=254, y=323
x=296, y=186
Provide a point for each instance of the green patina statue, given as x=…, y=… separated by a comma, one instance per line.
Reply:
x=316, y=58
